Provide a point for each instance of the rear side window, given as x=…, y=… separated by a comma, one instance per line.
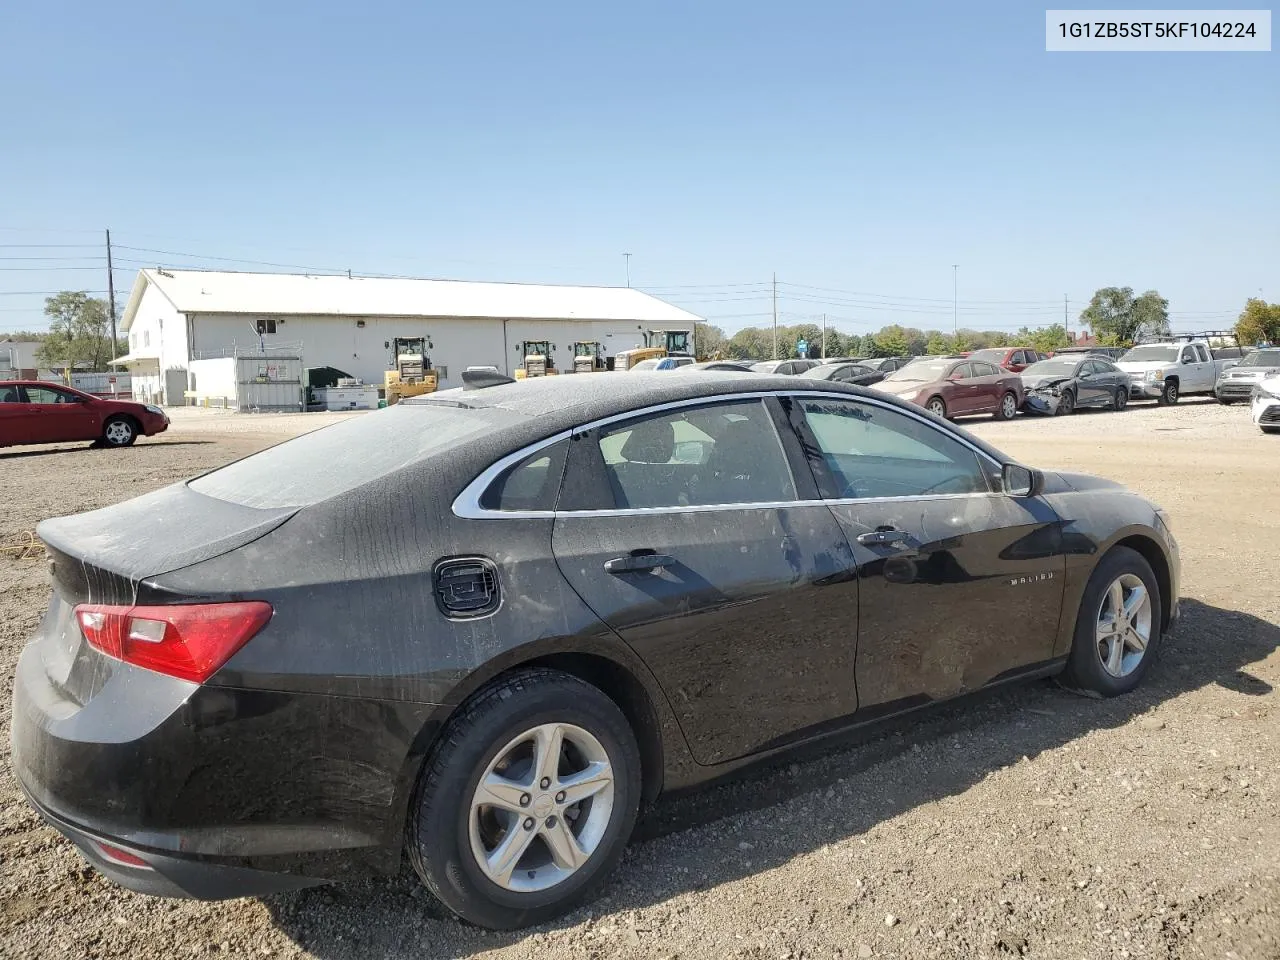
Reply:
x=336, y=459
x=725, y=453
x=531, y=484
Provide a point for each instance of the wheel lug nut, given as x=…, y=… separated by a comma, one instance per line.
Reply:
x=525, y=799
x=546, y=782
x=551, y=823
x=560, y=797
x=528, y=823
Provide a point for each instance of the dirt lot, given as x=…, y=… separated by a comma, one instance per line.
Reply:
x=1028, y=823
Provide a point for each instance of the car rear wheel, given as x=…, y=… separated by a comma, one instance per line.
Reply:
x=937, y=407
x=525, y=806
x=1169, y=395
x=1008, y=407
x=119, y=432
x=1067, y=404
x=1121, y=400
x=1225, y=401
x=1117, y=627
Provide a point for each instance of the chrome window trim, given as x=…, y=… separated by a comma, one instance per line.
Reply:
x=466, y=505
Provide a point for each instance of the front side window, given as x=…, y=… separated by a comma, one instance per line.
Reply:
x=867, y=451
x=48, y=395
x=724, y=453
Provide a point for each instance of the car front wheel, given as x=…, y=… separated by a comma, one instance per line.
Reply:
x=1121, y=399
x=1067, y=405
x=1169, y=396
x=526, y=804
x=1117, y=627
x=119, y=432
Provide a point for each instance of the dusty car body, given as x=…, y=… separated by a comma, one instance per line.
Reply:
x=1062, y=384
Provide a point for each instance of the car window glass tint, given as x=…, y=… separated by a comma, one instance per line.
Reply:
x=46, y=395
x=9, y=394
x=869, y=451
x=531, y=484
x=335, y=459
x=697, y=456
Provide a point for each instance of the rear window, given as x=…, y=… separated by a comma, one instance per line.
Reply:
x=335, y=459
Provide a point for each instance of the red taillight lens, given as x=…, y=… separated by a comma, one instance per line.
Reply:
x=123, y=857
x=188, y=641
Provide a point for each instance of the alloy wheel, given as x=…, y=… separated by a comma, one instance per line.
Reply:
x=937, y=408
x=119, y=432
x=1009, y=406
x=541, y=807
x=1123, y=625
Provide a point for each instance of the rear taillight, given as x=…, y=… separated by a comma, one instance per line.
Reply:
x=189, y=641
x=122, y=857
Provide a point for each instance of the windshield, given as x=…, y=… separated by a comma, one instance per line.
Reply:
x=1058, y=366
x=1158, y=352
x=1262, y=358
x=332, y=460
x=922, y=371
x=767, y=366
x=645, y=365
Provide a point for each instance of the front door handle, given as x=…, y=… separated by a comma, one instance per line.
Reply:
x=638, y=563
x=882, y=537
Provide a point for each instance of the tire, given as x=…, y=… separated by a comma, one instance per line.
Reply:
x=1225, y=402
x=1170, y=395
x=1092, y=668
x=451, y=829
x=1067, y=405
x=1008, y=407
x=119, y=432
x=1120, y=401
x=937, y=406
x=1268, y=428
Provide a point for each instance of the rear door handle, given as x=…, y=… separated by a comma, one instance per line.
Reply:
x=882, y=537
x=638, y=563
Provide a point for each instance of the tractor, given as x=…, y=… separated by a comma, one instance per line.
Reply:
x=535, y=359
x=588, y=357
x=410, y=374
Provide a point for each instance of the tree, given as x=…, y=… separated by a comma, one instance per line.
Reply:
x=79, y=332
x=1048, y=339
x=1259, y=323
x=750, y=343
x=1117, y=317
x=709, y=340
x=938, y=344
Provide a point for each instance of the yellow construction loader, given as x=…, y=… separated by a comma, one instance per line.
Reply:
x=588, y=357
x=535, y=359
x=657, y=344
x=410, y=374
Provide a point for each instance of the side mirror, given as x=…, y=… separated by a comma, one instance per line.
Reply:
x=1020, y=481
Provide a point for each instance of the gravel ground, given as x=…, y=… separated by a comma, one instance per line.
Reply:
x=1028, y=823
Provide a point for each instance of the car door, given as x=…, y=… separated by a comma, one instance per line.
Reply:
x=960, y=392
x=986, y=386
x=725, y=574
x=959, y=584
x=1088, y=389
x=1206, y=372
x=15, y=418
x=1017, y=361
x=59, y=416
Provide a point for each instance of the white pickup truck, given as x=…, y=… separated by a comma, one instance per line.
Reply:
x=1167, y=370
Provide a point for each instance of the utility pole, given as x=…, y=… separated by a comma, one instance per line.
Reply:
x=627, y=256
x=824, y=336
x=1066, y=324
x=955, y=304
x=111, y=297
x=775, y=316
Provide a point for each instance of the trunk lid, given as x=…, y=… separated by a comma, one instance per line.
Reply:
x=106, y=556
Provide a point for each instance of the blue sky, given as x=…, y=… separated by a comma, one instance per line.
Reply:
x=858, y=150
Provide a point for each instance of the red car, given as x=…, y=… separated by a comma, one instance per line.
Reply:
x=1016, y=359
x=956, y=387
x=35, y=412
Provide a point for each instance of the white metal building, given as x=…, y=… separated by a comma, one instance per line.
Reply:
x=176, y=316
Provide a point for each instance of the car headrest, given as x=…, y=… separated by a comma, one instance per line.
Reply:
x=651, y=441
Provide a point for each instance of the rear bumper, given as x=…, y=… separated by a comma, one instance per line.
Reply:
x=222, y=792
x=165, y=875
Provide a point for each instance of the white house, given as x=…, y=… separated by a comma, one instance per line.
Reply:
x=18, y=358
x=176, y=316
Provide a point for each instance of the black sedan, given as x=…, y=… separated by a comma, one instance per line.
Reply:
x=1059, y=385
x=855, y=373
x=484, y=626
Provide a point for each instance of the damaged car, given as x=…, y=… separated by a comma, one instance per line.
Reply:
x=485, y=627
x=1059, y=385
